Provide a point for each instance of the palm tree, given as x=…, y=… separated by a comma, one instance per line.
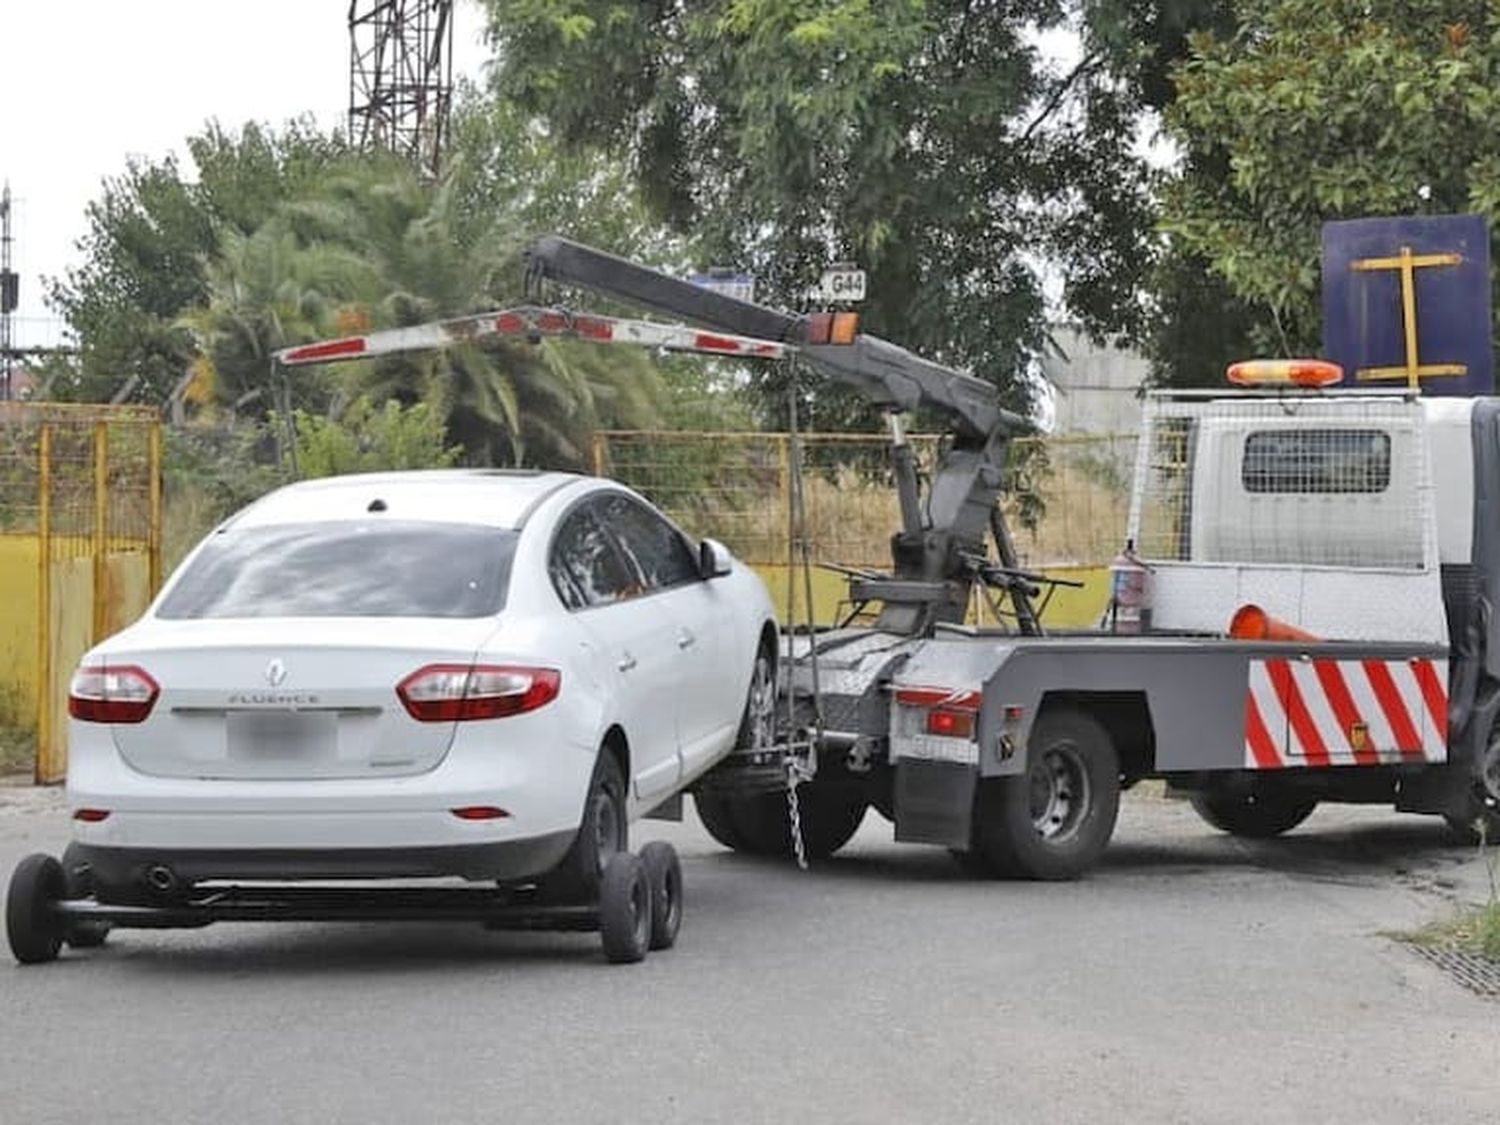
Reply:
x=267, y=290
x=507, y=403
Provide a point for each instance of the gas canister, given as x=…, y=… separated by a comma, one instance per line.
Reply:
x=1129, y=592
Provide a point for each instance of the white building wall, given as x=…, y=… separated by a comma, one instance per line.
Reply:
x=1096, y=389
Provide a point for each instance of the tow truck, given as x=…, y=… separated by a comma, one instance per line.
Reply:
x=1321, y=567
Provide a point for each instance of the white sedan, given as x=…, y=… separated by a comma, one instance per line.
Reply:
x=483, y=674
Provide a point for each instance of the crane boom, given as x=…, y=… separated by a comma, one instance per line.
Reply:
x=887, y=375
x=934, y=553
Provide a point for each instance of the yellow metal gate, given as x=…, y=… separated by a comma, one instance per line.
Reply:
x=80, y=551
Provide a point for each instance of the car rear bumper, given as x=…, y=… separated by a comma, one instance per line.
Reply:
x=387, y=826
x=133, y=872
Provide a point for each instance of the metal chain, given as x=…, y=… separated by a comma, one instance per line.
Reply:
x=794, y=772
x=801, y=758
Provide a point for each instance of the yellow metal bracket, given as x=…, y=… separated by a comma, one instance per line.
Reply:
x=1408, y=264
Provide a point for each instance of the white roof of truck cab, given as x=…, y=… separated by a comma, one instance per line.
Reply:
x=493, y=497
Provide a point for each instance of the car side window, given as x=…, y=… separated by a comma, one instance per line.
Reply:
x=585, y=566
x=657, y=549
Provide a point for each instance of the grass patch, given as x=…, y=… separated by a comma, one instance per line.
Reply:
x=1475, y=930
x=17, y=750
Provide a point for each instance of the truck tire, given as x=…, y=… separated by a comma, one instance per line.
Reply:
x=1254, y=816
x=1477, y=825
x=1480, y=820
x=1054, y=821
x=763, y=825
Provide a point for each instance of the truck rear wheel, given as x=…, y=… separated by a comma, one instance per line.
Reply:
x=1478, y=824
x=1255, y=816
x=1054, y=821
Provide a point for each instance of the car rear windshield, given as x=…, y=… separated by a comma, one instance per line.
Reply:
x=347, y=569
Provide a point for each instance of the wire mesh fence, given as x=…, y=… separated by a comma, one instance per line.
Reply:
x=1068, y=496
x=1292, y=481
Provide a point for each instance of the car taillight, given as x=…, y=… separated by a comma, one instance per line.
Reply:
x=104, y=693
x=452, y=693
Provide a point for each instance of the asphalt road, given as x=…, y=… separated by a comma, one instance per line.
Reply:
x=1192, y=979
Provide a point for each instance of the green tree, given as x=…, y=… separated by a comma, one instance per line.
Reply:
x=507, y=169
x=366, y=439
x=925, y=140
x=265, y=291
x=150, y=237
x=429, y=254
x=1329, y=109
x=373, y=246
x=1188, y=322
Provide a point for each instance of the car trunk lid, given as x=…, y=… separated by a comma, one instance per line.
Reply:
x=239, y=701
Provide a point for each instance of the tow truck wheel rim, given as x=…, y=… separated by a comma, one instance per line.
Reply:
x=1059, y=782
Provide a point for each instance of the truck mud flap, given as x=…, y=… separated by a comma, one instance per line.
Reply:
x=934, y=802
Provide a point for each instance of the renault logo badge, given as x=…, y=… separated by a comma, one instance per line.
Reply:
x=275, y=673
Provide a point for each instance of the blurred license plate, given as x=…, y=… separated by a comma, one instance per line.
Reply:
x=280, y=735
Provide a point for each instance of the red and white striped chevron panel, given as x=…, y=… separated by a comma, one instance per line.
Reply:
x=1345, y=712
x=531, y=323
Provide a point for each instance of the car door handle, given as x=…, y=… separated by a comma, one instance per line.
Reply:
x=627, y=662
x=686, y=639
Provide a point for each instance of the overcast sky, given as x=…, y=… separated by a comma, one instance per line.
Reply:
x=84, y=84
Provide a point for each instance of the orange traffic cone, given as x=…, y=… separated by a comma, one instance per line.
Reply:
x=1251, y=623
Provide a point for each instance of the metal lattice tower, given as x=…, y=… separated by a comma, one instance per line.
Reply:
x=401, y=77
x=9, y=295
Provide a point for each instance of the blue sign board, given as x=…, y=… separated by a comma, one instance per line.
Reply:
x=1431, y=271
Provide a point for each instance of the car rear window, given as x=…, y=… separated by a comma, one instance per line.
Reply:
x=347, y=569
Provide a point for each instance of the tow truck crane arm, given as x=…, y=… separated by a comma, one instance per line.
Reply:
x=933, y=552
x=887, y=375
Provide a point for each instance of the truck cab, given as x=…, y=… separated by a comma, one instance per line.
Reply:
x=1351, y=516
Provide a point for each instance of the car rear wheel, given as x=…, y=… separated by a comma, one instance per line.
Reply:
x=601, y=835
